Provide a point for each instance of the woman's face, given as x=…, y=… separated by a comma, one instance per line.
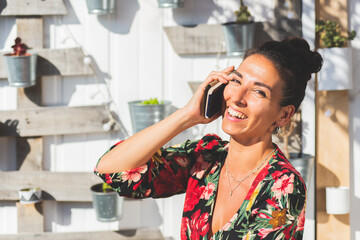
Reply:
x=252, y=99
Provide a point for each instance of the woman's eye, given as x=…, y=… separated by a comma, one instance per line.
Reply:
x=235, y=81
x=261, y=93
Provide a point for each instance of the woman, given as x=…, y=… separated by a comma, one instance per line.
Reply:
x=241, y=189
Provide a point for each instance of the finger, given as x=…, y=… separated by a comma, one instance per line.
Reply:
x=228, y=69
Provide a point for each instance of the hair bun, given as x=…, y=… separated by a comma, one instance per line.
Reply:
x=310, y=60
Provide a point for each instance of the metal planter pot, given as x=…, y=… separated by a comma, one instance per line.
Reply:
x=303, y=164
x=30, y=195
x=171, y=3
x=21, y=70
x=238, y=38
x=108, y=205
x=143, y=116
x=100, y=7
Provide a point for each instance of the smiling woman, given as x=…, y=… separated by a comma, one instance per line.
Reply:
x=258, y=194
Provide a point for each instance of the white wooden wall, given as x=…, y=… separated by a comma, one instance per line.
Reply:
x=133, y=59
x=354, y=126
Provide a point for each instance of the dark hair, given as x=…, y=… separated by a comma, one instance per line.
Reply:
x=295, y=63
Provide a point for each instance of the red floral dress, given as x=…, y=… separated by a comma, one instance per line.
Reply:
x=274, y=207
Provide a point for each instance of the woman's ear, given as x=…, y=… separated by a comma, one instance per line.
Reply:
x=285, y=115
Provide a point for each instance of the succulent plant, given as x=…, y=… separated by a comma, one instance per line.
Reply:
x=19, y=48
x=243, y=15
x=330, y=34
x=152, y=101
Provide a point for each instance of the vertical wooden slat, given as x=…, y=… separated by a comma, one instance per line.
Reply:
x=30, y=150
x=332, y=143
x=30, y=218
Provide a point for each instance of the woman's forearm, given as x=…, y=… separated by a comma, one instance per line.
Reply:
x=139, y=148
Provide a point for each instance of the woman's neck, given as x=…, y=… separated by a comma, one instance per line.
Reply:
x=246, y=157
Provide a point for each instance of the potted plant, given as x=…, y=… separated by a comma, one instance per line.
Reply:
x=30, y=195
x=336, y=70
x=106, y=202
x=239, y=35
x=100, y=7
x=290, y=136
x=20, y=65
x=170, y=3
x=145, y=113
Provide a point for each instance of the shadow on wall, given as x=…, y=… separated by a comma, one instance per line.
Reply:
x=121, y=20
x=332, y=181
x=189, y=14
x=70, y=17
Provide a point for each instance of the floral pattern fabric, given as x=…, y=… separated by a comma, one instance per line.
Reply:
x=274, y=207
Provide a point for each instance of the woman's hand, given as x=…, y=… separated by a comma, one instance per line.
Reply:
x=194, y=108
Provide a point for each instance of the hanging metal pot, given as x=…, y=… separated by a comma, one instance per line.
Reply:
x=238, y=38
x=100, y=7
x=143, y=116
x=171, y=3
x=107, y=204
x=303, y=163
x=21, y=70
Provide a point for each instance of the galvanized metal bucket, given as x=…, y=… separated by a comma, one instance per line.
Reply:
x=108, y=205
x=21, y=70
x=100, y=7
x=143, y=116
x=171, y=3
x=238, y=38
x=303, y=164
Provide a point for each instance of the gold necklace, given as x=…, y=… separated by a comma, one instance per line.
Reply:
x=243, y=179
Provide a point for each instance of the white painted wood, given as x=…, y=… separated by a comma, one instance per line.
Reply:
x=141, y=234
x=44, y=121
x=308, y=117
x=33, y=7
x=336, y=72
x=354, y=120
x=69, y=187
x=8, y=217
x=64, y=62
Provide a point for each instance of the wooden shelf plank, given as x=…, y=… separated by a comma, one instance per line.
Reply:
x=209, y=38
x=64, y=62
x=200, y=39
x=59, y=186
x=32, y=7
x=44, y=121
x=143, y=234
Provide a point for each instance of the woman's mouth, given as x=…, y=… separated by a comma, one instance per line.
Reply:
x=236, y=114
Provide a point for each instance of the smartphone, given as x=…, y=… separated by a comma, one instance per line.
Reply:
x=213, y=98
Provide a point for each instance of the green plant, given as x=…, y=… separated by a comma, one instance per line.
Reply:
x=151, y=101
x=330, y=34
x=243, y=15
x=106, y=188
x=19, y=48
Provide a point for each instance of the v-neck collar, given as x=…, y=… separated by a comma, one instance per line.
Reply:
x=255, y=184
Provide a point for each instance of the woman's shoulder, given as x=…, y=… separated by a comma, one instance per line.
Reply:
x=209, y=143
x=282, y=168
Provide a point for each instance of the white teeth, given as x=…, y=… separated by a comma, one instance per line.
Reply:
x=236, y=114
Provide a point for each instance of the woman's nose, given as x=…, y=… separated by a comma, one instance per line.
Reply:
x=240, y=97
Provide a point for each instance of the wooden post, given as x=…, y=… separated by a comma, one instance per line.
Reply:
x=332, y=143
x=30, y=150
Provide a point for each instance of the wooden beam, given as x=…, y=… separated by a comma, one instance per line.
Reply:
x=59, y=186
x=32, y=7
x=44, y=121
x=30, y=218
x=50, y=62
x=332, y=147
x=200, y=39
x=209, y=38
x=140, y=234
